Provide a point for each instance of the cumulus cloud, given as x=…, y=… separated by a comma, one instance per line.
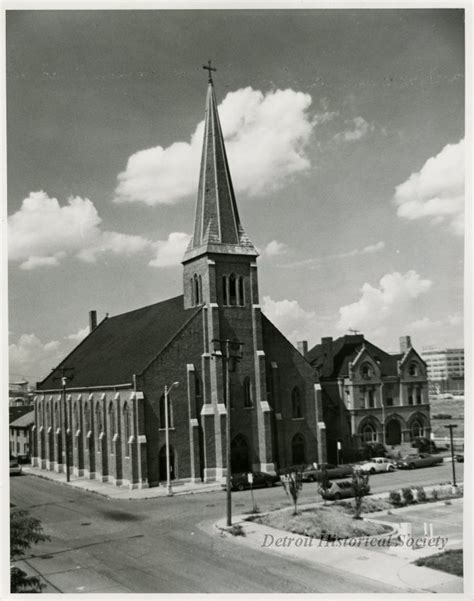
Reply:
x=42, y=233
x=316, y=261
x=266, y=137
x=79, y=335
x=290, y=318
x=273, y=249
x=436, y=192
x=32, y=357
x=169, y=253
x=359, y=129
x=386, y=305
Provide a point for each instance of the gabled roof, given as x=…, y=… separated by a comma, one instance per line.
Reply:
x=345, y=350
x=123, y=345
x=217, y=226
x=26, y=420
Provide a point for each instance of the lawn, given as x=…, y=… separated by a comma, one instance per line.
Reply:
x=330, y=520
x=448, y=561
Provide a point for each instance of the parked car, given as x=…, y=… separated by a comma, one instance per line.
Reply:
x=15, y=467
x=340, y=490
x=377, y=465
x=410, y=462
x=260, y=479
x=314, y=472
x=460, y=457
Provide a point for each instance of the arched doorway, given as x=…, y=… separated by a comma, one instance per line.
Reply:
x=393, y=432
x=162, y=463
x=297, y=449
x=240, y=455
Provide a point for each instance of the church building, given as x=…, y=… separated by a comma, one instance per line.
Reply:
x=114, y=404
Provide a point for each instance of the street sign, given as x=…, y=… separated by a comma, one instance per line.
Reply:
x=250, y=478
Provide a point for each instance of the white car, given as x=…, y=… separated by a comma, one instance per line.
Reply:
x=377, y=464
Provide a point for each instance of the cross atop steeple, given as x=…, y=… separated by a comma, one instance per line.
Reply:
x=209, y=69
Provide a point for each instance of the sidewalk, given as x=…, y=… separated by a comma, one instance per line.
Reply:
x=389, y=565
x=107, y=489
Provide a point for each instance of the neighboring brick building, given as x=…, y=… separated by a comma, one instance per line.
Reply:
x=370, y=395
x=116, y=400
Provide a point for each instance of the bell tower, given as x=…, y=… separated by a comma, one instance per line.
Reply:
x=220, y=274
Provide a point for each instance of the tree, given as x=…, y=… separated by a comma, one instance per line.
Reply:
x=25, y=531
x=293, y=483
x=360, y=486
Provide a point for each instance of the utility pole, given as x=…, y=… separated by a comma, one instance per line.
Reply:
x=229, y=360
x=64, y=378
x=450, y=428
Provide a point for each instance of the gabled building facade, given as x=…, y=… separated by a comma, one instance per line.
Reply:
x=115, y=405
x=370, y=395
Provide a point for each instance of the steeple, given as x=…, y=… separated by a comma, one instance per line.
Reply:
x=217, y=227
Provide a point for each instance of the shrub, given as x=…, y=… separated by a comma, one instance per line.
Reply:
x=395, y=498
x=407, y=495
x=236, y=530
x=435, y=494
x=420, y=494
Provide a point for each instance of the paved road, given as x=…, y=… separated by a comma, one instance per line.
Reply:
x=165, y=545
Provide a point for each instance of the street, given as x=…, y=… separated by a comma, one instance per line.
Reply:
x=165, y=545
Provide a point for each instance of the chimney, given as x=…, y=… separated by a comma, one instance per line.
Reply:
x=92, y=320
x=302, y=346
x=405, y=343
x=328, y=359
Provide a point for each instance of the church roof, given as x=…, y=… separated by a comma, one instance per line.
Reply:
x=123, y=345
x=346, y=348
x=217, y=226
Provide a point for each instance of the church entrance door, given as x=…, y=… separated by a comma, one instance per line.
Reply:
x=240, y=455
x=393, y=432
x=162, y=463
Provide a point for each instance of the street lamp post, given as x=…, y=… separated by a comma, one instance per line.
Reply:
x=64, y=378
x=167, y=438
x=450, y=428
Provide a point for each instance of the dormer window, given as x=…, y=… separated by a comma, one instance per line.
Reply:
x=413, y=369
x=366, y=371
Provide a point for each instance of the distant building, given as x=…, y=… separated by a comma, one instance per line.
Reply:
x=445, y=369
x=19, y=394
x=21, y=431
x=370, y=395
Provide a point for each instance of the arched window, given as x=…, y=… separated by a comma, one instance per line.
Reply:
x=40, y=414
x=417, y=430
x=111, y=427
x=197, y=296
x=77, y=422
x=413, y=369
x=232, y=290
x=47, y=421
x=241, y=292
x=200, y=289
x=87, y=418
x=193, y=300
x=126, y=424
x=297, y=449
x=162, y=412
x=296, y=404
x=98, y=420
x=57, y=416
x=225, y=295
x=247, y=393
x=368, y=433
x=419, y=397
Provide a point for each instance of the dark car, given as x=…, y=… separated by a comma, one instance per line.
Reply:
x=15, y=467
x=260, y=480
x=411, y=462
x=340, y=490
x=314, y=472
x=459, y=458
